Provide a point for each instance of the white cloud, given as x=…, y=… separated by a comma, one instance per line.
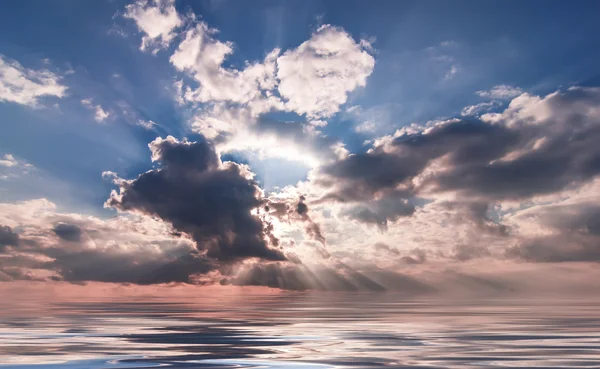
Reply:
x=501, y=92
x=25, y=86
x=317, y=76
x=157, y=19
x=8, y=161
x=100, y=115
x=452, y=72
x=201, y=55
x=374, y=120
x=478, y=108
x=498, y=95
x=147, y=124
x=367, y=126
x=313, y=80
x=11, y=167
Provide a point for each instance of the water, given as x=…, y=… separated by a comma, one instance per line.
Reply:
x=300, y=330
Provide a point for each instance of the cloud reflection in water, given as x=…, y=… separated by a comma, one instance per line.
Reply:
x=301, y=330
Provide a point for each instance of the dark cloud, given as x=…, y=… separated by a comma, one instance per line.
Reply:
x=477, y=214
x=416, y=256
x=115, y=251
x=301, y=208
x=198, y=195
x=380, y=246
x=287, y=211
x=474, y=150
x=538, y=147
x=311, y=228
x=380, y=212
x=575, y=235
x=557, y=249
x=7, y=237
x=68, y=232
x=97, y=265
x=468, y=252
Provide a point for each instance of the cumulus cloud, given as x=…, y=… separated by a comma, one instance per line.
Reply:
x=157, y=19
x=213, y=202
x=230, y=103
x=25, y=86
x=503, y=156
x=202, y=56
x=462, y=170
x=313, y=79
x=317, y=76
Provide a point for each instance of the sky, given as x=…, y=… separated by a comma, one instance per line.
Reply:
x=415, y=146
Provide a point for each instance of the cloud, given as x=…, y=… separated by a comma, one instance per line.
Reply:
x=380, y=246
x=313, y=79
x=202, y=56
x=146, y=124
x=468, y=252
x=375, y=120
x=8, y=161
x=68, y=232
x=317, y=76
x=157, y=19
x=75, y=248
x=380, y=212
x=501, y=92
x=451, y=72
x=498, y=95
x=7, y=237
x=479, y=108
x=25, y=86
x=475, y=182
x=536, y=147
x=99, y=113
x=231, y=99
x=230, y=103
x=292, y=207
x=213, y=202
x=563, y=229
x=11, y=167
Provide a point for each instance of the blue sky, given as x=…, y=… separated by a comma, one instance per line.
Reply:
x=535, y=45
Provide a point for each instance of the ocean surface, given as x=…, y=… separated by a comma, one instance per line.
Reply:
x=299, y=330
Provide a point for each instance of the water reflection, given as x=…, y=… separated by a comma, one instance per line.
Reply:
x=301, y=330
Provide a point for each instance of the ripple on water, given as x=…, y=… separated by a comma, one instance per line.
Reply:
x=294, y=331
